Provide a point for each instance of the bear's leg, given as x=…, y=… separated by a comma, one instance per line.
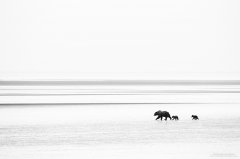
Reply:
x=157, y=117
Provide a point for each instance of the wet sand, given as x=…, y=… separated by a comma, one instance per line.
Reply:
x=119, y=131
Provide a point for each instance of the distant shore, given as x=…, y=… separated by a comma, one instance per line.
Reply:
x=119, y=82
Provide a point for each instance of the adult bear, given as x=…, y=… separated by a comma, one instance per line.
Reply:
x=162, y=114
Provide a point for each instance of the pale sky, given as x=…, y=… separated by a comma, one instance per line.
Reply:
x=160, y=37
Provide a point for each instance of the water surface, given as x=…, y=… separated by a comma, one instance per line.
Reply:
x=119, y=131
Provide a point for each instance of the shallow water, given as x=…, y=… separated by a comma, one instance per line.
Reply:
x=119, y=131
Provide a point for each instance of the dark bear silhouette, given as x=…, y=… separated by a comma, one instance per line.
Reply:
x=162, y=114
x=195, y=117
x=175, y=117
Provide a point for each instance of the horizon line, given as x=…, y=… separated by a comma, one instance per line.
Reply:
x=109, y=103
x=118, y=82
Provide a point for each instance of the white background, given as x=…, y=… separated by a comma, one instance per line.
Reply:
x=157, y=38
